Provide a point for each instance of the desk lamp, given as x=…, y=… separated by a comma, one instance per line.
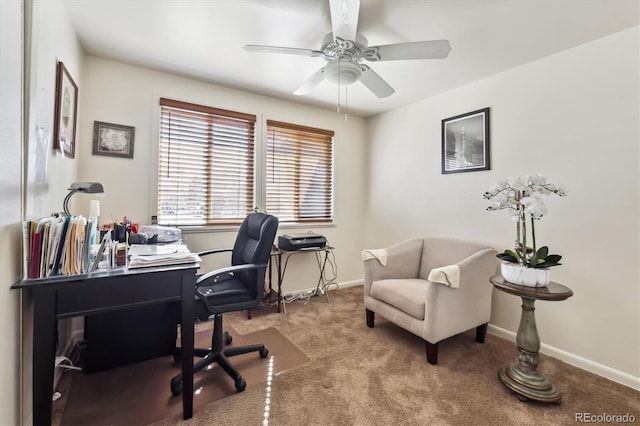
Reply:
x=86, y=187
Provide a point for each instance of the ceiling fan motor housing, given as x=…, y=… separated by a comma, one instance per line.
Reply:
x=343, y=57
x=339, y=48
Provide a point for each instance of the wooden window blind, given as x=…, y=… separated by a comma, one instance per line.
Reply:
x=299, y=174
x=205, y=165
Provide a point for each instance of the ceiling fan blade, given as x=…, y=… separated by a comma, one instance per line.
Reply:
x=344, y=18
x=433, y=49
x=315, y=79
x=375, y=83
x=285, y=50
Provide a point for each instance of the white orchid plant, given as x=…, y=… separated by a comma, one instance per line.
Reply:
x=523, y=198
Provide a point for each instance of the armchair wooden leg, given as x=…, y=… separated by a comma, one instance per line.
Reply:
x=432, y=352
x=370, y=317
x=481, y=332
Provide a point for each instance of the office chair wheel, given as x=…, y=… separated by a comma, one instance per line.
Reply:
x=240, y=384
x=227, y=338
x=264, y=352
x=176, y=386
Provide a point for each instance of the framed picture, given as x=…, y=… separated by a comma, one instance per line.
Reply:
x=114, y=140
x=66, y=109
x=465, y=142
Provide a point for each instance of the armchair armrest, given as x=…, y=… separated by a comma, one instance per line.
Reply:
x=403, y=261
x=443, y=315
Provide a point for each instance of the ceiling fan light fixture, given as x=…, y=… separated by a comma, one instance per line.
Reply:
x=342, y=73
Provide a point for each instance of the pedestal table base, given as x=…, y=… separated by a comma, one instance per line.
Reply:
x=529, y=385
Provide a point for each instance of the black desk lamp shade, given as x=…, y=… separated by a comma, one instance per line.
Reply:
x=86, y=187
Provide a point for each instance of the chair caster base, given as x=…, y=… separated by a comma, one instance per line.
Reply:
x=176, y=386
x=240, y=384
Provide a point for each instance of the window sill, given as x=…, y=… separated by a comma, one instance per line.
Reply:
x=204, y=229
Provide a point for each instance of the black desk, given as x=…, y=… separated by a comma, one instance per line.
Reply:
x=77, y=295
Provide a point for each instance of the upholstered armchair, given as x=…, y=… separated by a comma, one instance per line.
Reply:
x=434, y=288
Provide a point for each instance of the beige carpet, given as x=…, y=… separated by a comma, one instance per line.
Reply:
x=139, y=394
x=379, y=376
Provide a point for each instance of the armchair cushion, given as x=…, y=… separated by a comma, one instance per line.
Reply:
x=409, y=295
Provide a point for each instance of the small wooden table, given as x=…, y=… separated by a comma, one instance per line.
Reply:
x=523, y=378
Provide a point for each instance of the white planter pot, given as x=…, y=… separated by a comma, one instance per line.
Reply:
x=530, y=277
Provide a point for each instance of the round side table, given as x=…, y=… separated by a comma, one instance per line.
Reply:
x=523, y=378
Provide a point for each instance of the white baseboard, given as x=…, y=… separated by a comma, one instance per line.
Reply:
x=575, y=360
x=346, y=284
x=335, y=286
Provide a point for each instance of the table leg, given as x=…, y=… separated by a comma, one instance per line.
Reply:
x=323, y=288
x=523, y=378
x=279, y=265
x=186, y=342
x=44, y=352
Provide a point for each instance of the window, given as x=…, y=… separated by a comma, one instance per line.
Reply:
x=205, y=165
x=299, y=175
x=208, y=170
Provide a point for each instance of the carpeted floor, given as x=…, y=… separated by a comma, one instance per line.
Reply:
x=379, y=376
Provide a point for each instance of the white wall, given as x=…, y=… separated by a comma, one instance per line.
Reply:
x=50, y=39
x=572, y=117
x=53, y=40
x=11, y=55
x=117, y=93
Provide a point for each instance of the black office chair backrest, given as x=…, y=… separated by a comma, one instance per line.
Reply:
x=253, y=245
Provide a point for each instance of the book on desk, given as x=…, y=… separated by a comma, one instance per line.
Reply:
x=57, y=245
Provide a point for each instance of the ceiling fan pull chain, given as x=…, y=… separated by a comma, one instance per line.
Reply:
x=346, y=102
x=339, y=73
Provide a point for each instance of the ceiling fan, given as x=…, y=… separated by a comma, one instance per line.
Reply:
x=345, y=50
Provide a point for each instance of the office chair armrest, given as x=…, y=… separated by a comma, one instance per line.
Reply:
x=227, y=270
x=213, y=251
x=222, y=271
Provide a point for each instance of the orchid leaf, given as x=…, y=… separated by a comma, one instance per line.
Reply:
x=553, y=258
x=512, y=254
x=507, y=257
x=542, y=252
x=549, y=261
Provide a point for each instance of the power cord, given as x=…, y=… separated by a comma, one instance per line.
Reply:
x=61, y=360
x=305, y=297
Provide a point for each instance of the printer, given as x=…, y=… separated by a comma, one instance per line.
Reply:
x=301, y=241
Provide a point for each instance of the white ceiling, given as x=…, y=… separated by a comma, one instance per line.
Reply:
x=203, y=40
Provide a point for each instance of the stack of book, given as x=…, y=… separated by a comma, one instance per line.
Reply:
x=57, y=246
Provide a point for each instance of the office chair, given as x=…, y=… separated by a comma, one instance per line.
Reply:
x=235, y=288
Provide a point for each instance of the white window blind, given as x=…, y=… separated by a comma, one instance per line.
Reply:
x=299, y=175
x=205, y=165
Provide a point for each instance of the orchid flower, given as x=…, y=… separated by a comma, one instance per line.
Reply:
x=523, y=197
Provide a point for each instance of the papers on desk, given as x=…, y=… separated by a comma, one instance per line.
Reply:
x=142, y=256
